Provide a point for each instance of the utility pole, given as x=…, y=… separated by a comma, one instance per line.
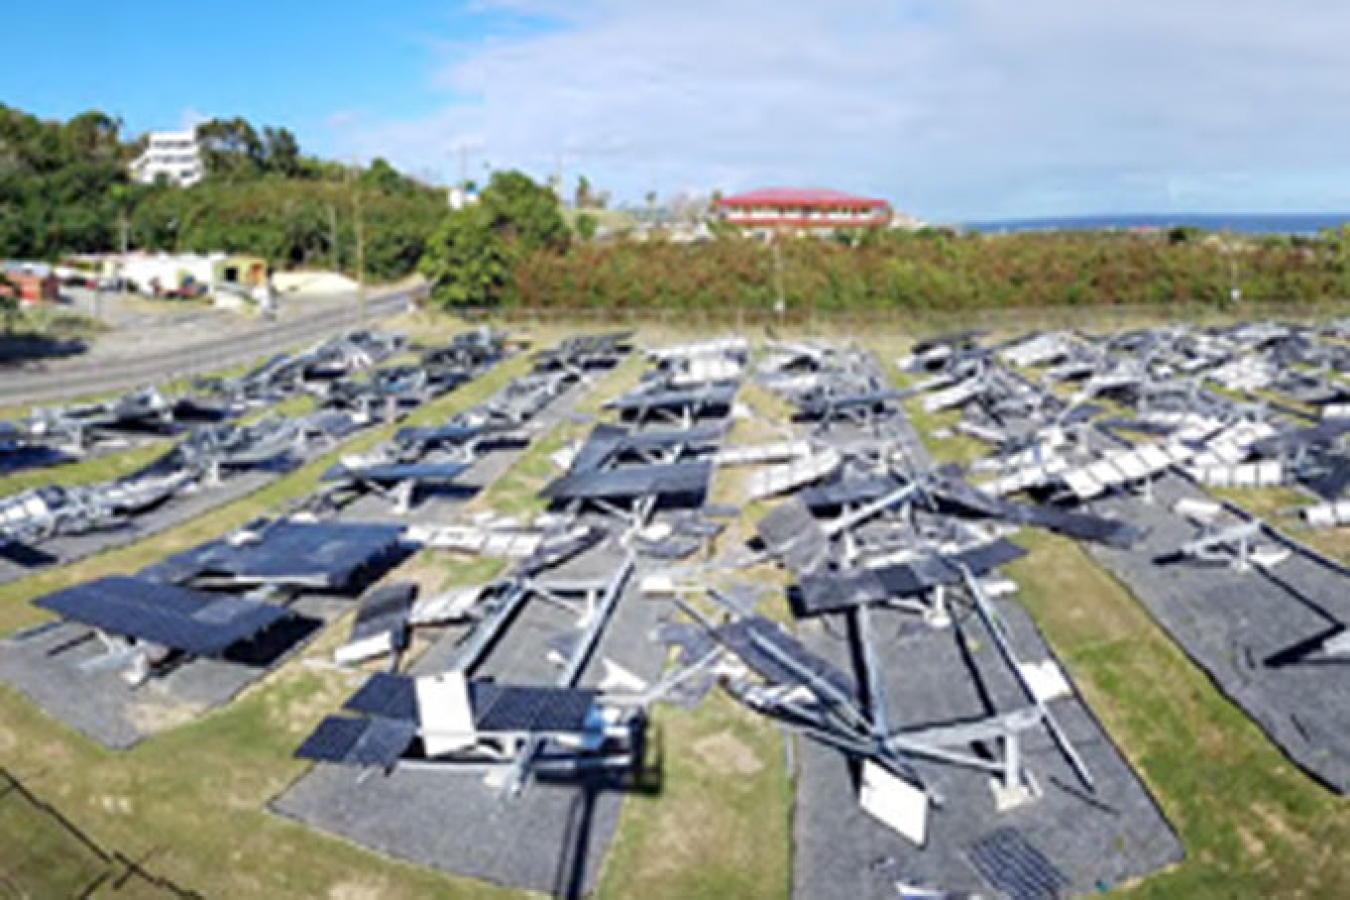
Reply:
x=360, y=246
x=333, y=240
x=780, y=303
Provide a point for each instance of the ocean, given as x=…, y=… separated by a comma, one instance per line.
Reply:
x=1255, y=223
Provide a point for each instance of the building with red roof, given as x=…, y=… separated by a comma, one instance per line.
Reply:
x=803, y=209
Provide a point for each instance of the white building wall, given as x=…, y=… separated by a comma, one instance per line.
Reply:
x=175, y=155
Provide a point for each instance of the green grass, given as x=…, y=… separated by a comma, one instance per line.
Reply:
x=15, y=613
x=205, y=825
x=516, y=492
x=1253, y=825
x=93, y=469
x=719, y=825
x=42, y=857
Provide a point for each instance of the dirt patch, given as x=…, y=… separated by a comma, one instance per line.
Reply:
x=356, y=890
x=157, y=714
x=725, y=751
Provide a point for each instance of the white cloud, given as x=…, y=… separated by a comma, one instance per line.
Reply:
x=952, y=109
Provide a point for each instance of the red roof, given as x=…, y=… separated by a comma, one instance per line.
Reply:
x=801, y=197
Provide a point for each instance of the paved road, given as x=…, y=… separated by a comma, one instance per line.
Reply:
x=82, y=377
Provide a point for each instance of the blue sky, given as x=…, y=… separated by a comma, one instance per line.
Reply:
x=953, y=109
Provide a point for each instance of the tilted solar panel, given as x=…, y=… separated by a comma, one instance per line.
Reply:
x=498, y=707
x=197, y=623
x=384, y=610
x=601, y=444
x=684, y=479
x=851, y=490
x=333, y=556
x=359, y=742
x=836, y=591
x=715, y=396
x=387, y=696
x=392, y=472
x=788, y=663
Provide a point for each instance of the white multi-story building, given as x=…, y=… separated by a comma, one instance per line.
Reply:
x=174, y=155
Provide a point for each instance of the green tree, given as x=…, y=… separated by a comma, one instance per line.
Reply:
x=466, y=259
x=231, y=148
x=523, y=214
x=9, y=301
x=281, y=151
x=586, y=225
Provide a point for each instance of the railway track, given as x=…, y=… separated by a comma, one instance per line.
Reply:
x=85, y=378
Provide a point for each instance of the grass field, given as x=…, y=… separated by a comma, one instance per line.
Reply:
x=191, y=803
x=1252, y=824
x=205, y=824
x=103, y=467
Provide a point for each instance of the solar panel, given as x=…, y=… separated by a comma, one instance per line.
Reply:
x=333, y=556
x=438, y=434
x=360, y=742
x=601, y=445
x=1333, y=482
x=385, y=610
x=499, y=707
x=396, y=472
x=683, y=479
x=715, y=396
x=777, y=479
x=836, y=591
x=197, y=623
x=790, y=533
x=496, y=707
x=851, y=490
x=747, y=638
x=819, y=407
x=1015, y=868
x=385, y=696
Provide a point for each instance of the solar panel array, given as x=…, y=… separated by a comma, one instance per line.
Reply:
x=394, y=472
x=197, y=623
x=717, y=396
x=359, y=742
x=836, y=591
x=1015, y=868
x=674, y=479
x=333, y=556
x=496, y=707
x=385, y=611
x=775, y=480
x=748, y=637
